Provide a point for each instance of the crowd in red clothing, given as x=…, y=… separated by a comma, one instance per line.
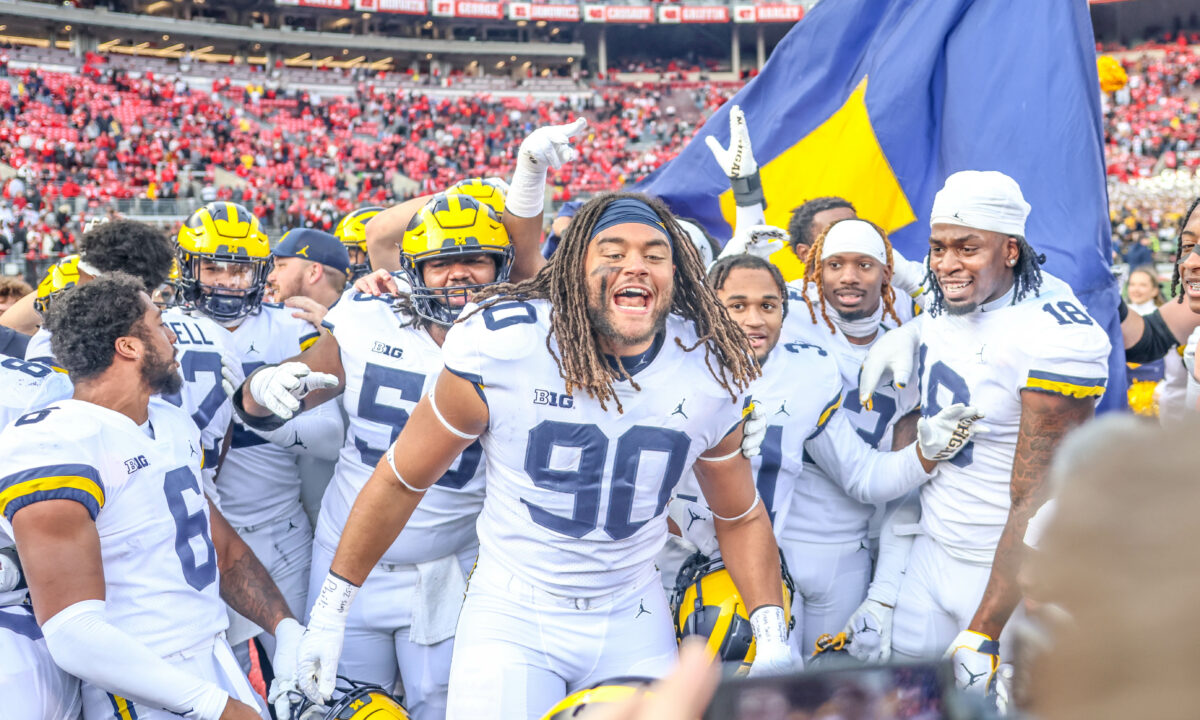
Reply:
x=296, y=158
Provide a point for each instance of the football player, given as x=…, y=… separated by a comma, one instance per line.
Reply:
x=813, y=464
x=571, y=381
x=127, y=564
x=224, y=260
x=851, y=300
x=1013, y=340
x=382, y=354
x=202, y=350
x=351, y=232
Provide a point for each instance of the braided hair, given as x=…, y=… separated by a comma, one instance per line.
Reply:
x=813, y=261
x=1027, y=276
x=719, y=273
x=1176, y=279
x=580, y=359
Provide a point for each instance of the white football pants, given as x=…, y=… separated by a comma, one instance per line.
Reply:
x=521, y=649
x=284, y=547
x=831, y=582
x=377, y=646
x=938, y=597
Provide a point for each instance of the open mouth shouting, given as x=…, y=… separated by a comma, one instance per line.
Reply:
x=956, y=288
x=633, y=299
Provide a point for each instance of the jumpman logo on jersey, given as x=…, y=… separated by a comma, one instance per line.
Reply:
x=679, y=409
x=695, y=517
x=252, y=349
x=973, y=676
x=298, y=442
x=642, y=610
x=980, y=354
x=783, y=409
x=192, y=448
x=862, y=544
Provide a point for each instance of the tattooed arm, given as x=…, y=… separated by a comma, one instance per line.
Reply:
x=245, y=584
x=1045, y=419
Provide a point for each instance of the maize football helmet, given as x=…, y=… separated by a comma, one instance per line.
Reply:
x=602, y=693
x=351, y=230
x=489, y=191
x=359, y=701
x=61, y=276
x=228, y=234
x=451, y=225
x=705, y=602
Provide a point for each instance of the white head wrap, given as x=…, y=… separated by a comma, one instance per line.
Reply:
x=854, y=236
x=983, y=200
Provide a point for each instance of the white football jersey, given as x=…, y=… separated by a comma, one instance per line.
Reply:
x=28, y=386
x=828, y=515
x=143, y=491
x=388, y=368
x=1045, y=343
x=200, y=347
x=260, y=481
x=577, y=495
x=38, y=349
x=887, y=403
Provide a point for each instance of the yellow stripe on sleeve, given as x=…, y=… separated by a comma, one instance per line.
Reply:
x=54, y=482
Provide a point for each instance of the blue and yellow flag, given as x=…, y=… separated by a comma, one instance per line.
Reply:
x=878, y=101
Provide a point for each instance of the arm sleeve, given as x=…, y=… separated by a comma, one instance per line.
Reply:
x=863, y=472
x=1156, y=340
x=900, y=525
x=747, y=216
x=320, y=428
x=84, y=644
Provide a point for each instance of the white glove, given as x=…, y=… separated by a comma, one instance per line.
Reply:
x=759, y=240
x=545, y=148
x=870, y=632
x=10, y=572
x=231, y=377
x=321, y=643
x=893, y=354
x=908, y=276
x=1004, y=689
x=695, y=523
x=975, y=657
x=737, y=161
x=772, y=656
x=754, y=431
x=287, y=649
x=942, y=436
x=281, y=388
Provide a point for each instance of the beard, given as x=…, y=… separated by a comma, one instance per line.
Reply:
x=158, y=374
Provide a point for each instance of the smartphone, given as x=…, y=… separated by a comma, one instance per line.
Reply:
x=896, y=691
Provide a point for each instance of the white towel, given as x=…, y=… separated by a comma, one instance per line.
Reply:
x=437, y=600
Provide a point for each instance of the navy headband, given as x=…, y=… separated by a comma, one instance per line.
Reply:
x=630, y=210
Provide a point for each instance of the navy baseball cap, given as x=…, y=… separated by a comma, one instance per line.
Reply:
x=316, y=246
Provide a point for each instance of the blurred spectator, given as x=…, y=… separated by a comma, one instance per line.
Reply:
x=1143, y=290
x=12, y=289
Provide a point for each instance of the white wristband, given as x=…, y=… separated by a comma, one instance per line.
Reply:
x=332, y=605
x=769, y=624
x=526, y=196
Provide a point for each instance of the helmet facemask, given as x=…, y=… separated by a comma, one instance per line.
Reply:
x=434, y=304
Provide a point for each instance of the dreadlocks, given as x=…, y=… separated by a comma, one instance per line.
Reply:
x=1175, y=277
x=581, y=362
x=813, y=261
x=1027, y=276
